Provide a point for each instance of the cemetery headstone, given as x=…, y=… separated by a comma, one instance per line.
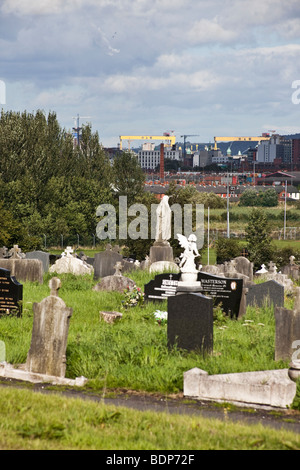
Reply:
x=68, y=263
x=105, y=262
x=244, y=266
x=270, y=292
x=190, y=322
x=24, y=269
x=116, y=282
x=225, y=291
x=11, y=294
x=161, y=287
x=3, y=252
x=287, y=330
x=47, y=354
x=292, y=269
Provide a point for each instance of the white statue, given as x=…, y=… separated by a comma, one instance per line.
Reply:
x=187, y=263
x=163, y=220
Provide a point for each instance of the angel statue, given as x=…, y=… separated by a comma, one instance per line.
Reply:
x=187, y=263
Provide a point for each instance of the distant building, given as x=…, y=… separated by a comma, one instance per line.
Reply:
x=149, y=157
x=205, y=157
x=270, y=150
x=296, y=152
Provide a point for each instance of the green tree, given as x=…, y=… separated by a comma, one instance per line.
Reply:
x=249, y=198
x=269, y=198
x=258, y=238
x=128, y=176
x=227, y=249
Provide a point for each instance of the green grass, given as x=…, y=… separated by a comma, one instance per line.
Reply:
x=36, y=421
x=133, y=353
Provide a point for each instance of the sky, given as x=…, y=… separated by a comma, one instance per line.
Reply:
x=202, y=68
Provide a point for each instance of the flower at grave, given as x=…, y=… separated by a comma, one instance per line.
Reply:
x=161, y=317
x=133, y=297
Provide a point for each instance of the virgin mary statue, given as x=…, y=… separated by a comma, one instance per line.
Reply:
x=163, y=220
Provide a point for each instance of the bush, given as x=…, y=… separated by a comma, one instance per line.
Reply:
x=226, y=249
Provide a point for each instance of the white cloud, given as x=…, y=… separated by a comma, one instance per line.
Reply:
x=38, y=7
x=135, y=63
x=210, y=31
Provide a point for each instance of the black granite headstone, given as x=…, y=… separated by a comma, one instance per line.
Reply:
x=190, y=322
x=161, y=287
x=11, y=294
x=270, y=292
x=225, y=291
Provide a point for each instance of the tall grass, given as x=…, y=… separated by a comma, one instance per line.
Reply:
x=133, y=353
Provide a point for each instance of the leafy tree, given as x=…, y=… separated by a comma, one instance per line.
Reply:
x=269, y=198
x=258, y=238
x=227, y=249
x=249, y=198
x=128, y=176
x=6, y=226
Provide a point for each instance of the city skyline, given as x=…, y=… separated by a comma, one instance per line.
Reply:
x=203, y=68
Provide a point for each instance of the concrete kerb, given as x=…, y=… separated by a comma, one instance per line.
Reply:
x=265, y=389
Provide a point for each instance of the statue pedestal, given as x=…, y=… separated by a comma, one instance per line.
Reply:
x=161, y=251
x=188, y=283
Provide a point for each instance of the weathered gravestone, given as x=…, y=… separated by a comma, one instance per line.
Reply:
x=24, y=269
x=244, y=266
x=42, y=256
x=116, y=282
x=287, y=330
x=11, y=294
x=104, y=263
x=225, y=291
x=47, y=354
x=270, y=293
x=68, y=263
x=190, y=322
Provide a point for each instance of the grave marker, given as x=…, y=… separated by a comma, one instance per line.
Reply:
x=11, y=294
x=223, y=290
x=47, y=354
x=270, y=292
x=190, y=322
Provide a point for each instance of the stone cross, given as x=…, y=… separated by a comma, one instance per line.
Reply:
x=118, y=267
x=272, y=267
x=55, y=285
x=15, y=252
x=68, y=251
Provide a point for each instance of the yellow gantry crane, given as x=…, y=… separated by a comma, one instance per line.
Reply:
x=264, y=136
x=170, y=138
